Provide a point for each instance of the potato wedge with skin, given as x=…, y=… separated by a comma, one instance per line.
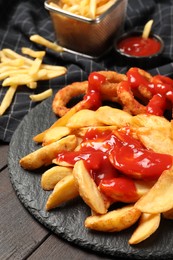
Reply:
x=55, y=134
x=46, y=154
x=52, y=176
x=83, y=130
x=148, y=224
x=150, y=121
x=62, y=121
x=64, y=191
x=112, y=116
x=88, y=189
x=82, y=118
x=62, y=163
x=115, y=220
x=160, y=197
x=156, y=139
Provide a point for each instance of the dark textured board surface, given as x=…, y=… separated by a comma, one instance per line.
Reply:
x=67, y=221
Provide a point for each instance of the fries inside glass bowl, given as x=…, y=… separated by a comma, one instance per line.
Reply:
x=119, y=163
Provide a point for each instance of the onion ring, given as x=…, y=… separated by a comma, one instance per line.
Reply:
x=108, y=92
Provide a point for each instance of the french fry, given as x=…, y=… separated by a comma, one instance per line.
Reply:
x=16, y=69
x=43, y=95
x=7, y=100
x=42, y=41
x=52, y=176
x=92, y=8
x=148, y=224
x=88, y=189
x=86, y=8
x=64, y=191
x=35, y=66
x=46, y=154
x=32, y=53
x=100, y=10
x=147, y=29
x=115, y=220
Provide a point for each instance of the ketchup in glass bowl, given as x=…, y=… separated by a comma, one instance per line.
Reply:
x=134, y=50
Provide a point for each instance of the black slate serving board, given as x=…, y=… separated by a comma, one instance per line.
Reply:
x=67, y=221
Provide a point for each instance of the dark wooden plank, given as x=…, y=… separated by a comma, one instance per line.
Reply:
x=20, y=233
x=3, y=154
x=55, y=248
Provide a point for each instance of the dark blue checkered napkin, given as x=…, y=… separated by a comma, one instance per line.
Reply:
x=20, y=19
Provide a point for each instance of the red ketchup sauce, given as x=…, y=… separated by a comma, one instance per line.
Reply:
x=138, y=46
x=118, y=158
x=160, y=86
x=93, y=95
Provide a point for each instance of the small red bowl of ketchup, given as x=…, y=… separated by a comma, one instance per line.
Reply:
x=134, y=50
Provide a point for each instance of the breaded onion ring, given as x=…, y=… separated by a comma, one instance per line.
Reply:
x=108, y=92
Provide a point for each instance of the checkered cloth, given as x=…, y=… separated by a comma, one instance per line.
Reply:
x=20, y=19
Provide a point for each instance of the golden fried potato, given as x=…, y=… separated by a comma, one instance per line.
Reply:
x=88, y=189
x=156, y=140
x=54, y=134
x=160, y=197
x=52, y=176
x=82, y=118
x=46, y=154
x=64, y=191
x=148, y=224
x=115, y=220
x=112, y=116
x=82, y=131
x=150, y=121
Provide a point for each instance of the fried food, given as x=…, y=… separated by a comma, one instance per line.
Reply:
x=88, y=189
x=53, y=175
x=64, y=191
x=148, y=224
x=115, y=220
x=117, y=156
x=90, y=9
x=108, y=92
x=17, y=70
x=159, y=199
x=46, y=154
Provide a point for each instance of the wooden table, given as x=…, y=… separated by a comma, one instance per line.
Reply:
x=21, y=235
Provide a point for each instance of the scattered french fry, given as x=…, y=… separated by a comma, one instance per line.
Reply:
x=32, y=53
x=7, y=100
x=42, y=41
x=19, y=70
x=39, y=97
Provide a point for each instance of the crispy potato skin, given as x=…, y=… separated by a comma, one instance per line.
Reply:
x=46, y=154
x=115, y=220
